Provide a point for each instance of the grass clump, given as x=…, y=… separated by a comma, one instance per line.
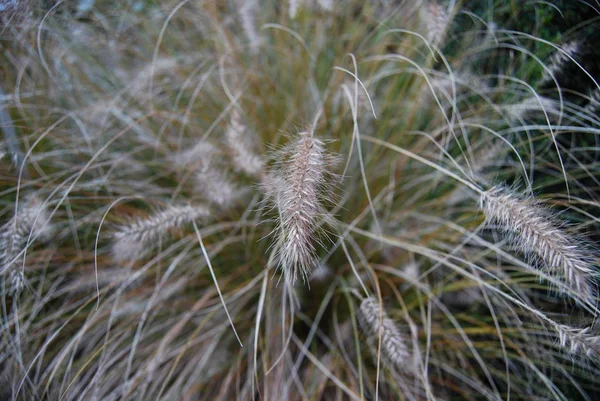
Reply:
x=213, y=200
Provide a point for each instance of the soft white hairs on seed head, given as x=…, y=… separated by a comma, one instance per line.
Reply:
x=199, y=155
x=530, y=106
x=578, y=341
x=213, y=184
x=541, y=236
x=434, y=20
x=134, y=240
x=31, y=219
x=560, y=59
x=373, y=320
x=297, y=185
x=30, y=222
x=238, y=138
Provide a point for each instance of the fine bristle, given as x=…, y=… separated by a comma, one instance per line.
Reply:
x=579, y=341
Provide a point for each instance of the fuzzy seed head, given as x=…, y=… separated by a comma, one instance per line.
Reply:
x=530, y=106
x=568, y=50
x=434, y=19
x=296, y=183
x=578, y=341
x=31, y=221
x=245, y=160
x=135, y=240
x=214, y=186
x=373, y=320
x=199, y=156
x=560, y=59
x=539, y=236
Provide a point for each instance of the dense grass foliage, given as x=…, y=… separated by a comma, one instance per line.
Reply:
x=299, y=200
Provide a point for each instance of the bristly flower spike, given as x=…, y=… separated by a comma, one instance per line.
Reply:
x=537, y=233
x=374, y=321
x=296, y=183
x=244, y=157
x=31, y=220
x=134, y=240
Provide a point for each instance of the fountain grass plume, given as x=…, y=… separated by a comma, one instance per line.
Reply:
x=297, y=182
x=374, y=321
x=134, y=240
x=542, y=237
